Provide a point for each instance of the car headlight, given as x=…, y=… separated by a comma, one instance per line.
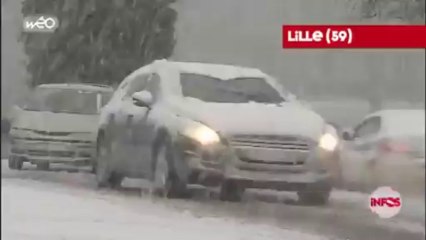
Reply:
x=202, y=134
x=328, y=141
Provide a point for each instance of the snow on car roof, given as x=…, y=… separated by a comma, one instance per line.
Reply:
x=78, y=86
x=220, y=71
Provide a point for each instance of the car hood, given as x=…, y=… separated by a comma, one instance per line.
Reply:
x=254, y=118
x=56, y=122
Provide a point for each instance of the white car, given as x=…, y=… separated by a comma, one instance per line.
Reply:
x=386, y=149
x=57, y=124
x=179, y=123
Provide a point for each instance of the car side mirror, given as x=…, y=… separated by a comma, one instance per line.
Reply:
x=142, y=99
x=347, y=135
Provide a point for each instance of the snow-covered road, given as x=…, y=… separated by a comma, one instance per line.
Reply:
x=64, y=205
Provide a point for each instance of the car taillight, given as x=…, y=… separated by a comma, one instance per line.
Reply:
x=394, y=147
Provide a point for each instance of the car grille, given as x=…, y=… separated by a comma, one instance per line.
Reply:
x=287, y=163
x=53, y=140
x=52, y=133
x=271, y=153
x=42, y=132
x=271, y=142
x=42, y=153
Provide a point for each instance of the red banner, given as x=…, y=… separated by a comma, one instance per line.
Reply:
x=354, y=36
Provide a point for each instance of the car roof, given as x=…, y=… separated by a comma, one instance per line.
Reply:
x=78, y=86
x=221, y=71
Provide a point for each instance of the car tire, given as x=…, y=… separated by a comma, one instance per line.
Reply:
x=11, y=162
x=43, y=166
x=231, y=191
x=93, y=167
x=314, y=197
x=105, y=176
x=19, y=163
x=115, y=180
x=165, y=181
x=15, y=163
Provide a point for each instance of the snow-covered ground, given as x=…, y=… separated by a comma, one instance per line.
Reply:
x=64, y=205
x=33, y=210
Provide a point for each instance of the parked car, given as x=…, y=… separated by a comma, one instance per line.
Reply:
x=179, y=123
x=57, y=124
x=386, y=148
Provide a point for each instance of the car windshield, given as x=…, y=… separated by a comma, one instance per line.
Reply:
x=66, y=101
x=236, y=90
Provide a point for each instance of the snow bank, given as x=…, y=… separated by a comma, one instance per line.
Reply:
x=33, y=210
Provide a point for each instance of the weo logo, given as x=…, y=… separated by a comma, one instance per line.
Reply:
x=385, y=202
x=40, y=23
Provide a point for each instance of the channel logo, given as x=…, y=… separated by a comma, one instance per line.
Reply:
x=385, y=202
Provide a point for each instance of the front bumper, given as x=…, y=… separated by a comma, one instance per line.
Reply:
x=57, y=152
x=226, y=163
x=283, y=181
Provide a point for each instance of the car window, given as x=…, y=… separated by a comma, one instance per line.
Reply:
x=105, y=97
x=153, y=86
x=236, y=90
x=59, y=100
x=137, y=84
x=123, y=83
x=369, y=127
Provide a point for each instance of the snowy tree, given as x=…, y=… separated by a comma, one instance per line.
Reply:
x=98, y=40
x=408, y=11
x=382, y=12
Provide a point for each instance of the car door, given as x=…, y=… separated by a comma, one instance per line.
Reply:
x=359, y=153
x=127, y=152
x=366, y=137
x=144, y=129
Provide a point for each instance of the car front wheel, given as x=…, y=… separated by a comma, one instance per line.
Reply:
x=15, y=163
x=314, y=198
x=231, y=191
x=165, y=182
x=317, y=194
x=105, y=176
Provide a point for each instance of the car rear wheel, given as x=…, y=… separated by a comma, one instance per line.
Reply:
x=93, y=167
x=165, y=182
x=15, y=163
x=105, y=176
x=11, y=162
x=231, y=191
x=314, y=197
